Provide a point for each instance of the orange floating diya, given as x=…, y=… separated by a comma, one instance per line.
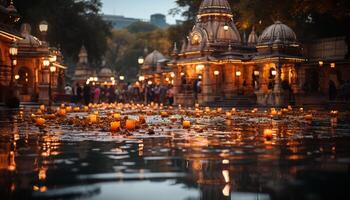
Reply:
x=115, y=126
x=61, y=112
x=164, y=114
x=69, y=108
x=308, y=117
x=130, y=124
x=228, y=115
x=268, y=134
x=93, y=118
x=186, y=124
x=116, y=116
x=86, y=108
x=40, y=121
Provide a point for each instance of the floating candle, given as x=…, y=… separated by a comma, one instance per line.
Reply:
x=116, y=116
x=308, y=117
x=40, y=121
x=93, y=118
x=164, y=114
x=69, y=108
x=268, y=134
x=228, y=115
x=61, y=112
x=76, y=109
x=186, y=124
x=86, y=108
x=130, y=124
x=207, y=109
x=115, y=126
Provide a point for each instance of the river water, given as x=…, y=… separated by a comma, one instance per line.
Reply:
x=215, y=159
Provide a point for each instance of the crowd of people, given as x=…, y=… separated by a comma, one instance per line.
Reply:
x=88, y=93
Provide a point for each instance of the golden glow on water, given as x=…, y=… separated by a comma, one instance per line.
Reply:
x=220, y=151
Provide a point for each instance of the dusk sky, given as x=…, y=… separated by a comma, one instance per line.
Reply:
x=140, y=8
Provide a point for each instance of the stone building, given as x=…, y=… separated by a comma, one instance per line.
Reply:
x=155, y=69
x=84, y=73
x=27, y=71
x=218, y=64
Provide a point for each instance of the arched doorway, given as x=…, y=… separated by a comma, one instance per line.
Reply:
x=24, y=81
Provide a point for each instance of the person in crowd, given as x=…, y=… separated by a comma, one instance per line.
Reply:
x=68, y=91
x=163, y=93
x=97, y=93
x=79, y=93
x=87, y=94
x=170, y=95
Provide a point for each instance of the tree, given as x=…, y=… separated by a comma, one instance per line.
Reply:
x=71, y=24
x=139, y=27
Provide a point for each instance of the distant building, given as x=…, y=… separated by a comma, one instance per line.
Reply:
x=159, y=20
x=118, y=21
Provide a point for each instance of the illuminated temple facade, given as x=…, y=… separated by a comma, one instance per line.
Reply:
x=26, y=69
x=267, y=70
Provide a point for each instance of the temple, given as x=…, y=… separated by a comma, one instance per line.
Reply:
x=218, y=64
x=24, y=70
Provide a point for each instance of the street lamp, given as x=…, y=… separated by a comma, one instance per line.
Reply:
x=13, y=50
x=320, y=63
x=140, y=60
x=52, y=71
x=43, y=28
x=238, y=74
x=122, y=78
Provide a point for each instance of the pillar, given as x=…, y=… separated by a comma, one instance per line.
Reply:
x=207, y=91
x=277, y=90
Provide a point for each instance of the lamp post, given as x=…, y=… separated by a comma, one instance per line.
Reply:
x=43, y=28
x=143, y=83
x=52, y=71
x=238, y=74
x=13, y=50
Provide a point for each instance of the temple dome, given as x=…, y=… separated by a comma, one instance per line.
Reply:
x=28, y=40
x=278, y=32
x=153, y=58
x=215, y=6
x=105, y=72
x=253, y=38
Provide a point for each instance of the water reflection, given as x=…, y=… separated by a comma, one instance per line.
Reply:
x=240, y=158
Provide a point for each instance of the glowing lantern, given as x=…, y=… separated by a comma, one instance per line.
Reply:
x=40, y=121
x=186, y=124
x=93, y=118
x=268, y=134
x=308, y=117
x=115, y=126
x=116, y=116
x=61, y=112
x=130, y=124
